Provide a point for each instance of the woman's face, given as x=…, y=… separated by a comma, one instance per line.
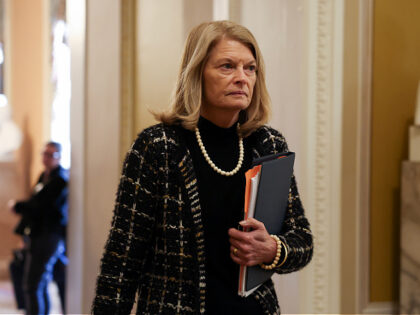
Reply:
x=228, y=79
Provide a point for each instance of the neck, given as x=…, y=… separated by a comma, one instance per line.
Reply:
x=48, y=170
x=223, y=119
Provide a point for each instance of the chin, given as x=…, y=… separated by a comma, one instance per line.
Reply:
x=242, y=106
x=239, y=105
x=231, y=106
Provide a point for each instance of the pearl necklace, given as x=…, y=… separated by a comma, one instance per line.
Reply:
x=213, y=166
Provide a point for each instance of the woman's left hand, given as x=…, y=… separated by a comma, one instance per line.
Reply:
x=254, y=247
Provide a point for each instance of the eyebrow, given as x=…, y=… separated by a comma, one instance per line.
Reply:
x=227, y=59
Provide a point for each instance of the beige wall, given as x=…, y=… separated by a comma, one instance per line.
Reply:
x=157, y=68
x=396, y=71
x=27, y=91
x=95, y=38
x=160, y=50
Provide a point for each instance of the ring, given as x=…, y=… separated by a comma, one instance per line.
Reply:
x=235, y=251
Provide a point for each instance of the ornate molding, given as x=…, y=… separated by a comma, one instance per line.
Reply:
x=322, y=161
x=324, y=153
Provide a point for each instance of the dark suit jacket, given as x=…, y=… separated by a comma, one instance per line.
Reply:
x=46, y=210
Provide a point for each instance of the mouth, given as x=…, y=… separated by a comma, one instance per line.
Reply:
x=237, y=93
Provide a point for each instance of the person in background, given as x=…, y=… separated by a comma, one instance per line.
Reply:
x=43, y=227
x=174, y=240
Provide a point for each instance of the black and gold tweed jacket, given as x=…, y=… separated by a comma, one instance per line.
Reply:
x=156, y=242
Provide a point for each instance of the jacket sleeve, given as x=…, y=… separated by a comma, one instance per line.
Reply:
x=43, y=203
x=296, y=233
x=131, y=232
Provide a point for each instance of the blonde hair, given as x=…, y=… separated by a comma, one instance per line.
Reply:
x=187, y=97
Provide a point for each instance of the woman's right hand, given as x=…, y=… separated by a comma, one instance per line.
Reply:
x=254, y=247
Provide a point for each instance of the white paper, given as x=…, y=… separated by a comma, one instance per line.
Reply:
x=253, y=196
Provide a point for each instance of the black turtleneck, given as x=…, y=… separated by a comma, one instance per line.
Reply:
x=222, y=202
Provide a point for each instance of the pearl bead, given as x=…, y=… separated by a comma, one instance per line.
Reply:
x=211, y=163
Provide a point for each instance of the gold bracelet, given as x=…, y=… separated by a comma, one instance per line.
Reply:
x=278, y=254
x=285, y=254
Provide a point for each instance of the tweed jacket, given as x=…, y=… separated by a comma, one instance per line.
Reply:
x=156, y=246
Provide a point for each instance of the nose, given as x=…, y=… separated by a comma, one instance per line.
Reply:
x=240, y=75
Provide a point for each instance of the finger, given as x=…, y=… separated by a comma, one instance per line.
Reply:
x=240, y=236
x=236, y=256
x=258, y=230
x=252, y=223
x=242, y=249
x=235, y=233
x=241, y=239
x=234, y=252
x=235, y=259
x=242, y=261
x=238, y=253
x=249, y=253
x=234, y=243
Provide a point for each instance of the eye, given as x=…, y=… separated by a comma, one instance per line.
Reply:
x=227, y=66
x=251, y=68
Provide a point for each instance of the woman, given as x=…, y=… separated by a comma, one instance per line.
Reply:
x=173, y=237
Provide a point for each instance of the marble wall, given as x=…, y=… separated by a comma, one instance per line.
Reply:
x=410, y=239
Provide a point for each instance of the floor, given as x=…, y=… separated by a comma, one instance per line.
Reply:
x=7, y=299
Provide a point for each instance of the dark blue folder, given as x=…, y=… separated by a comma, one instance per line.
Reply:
x=271, y=204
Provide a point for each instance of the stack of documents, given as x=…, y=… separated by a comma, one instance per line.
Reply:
x=266, y=199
